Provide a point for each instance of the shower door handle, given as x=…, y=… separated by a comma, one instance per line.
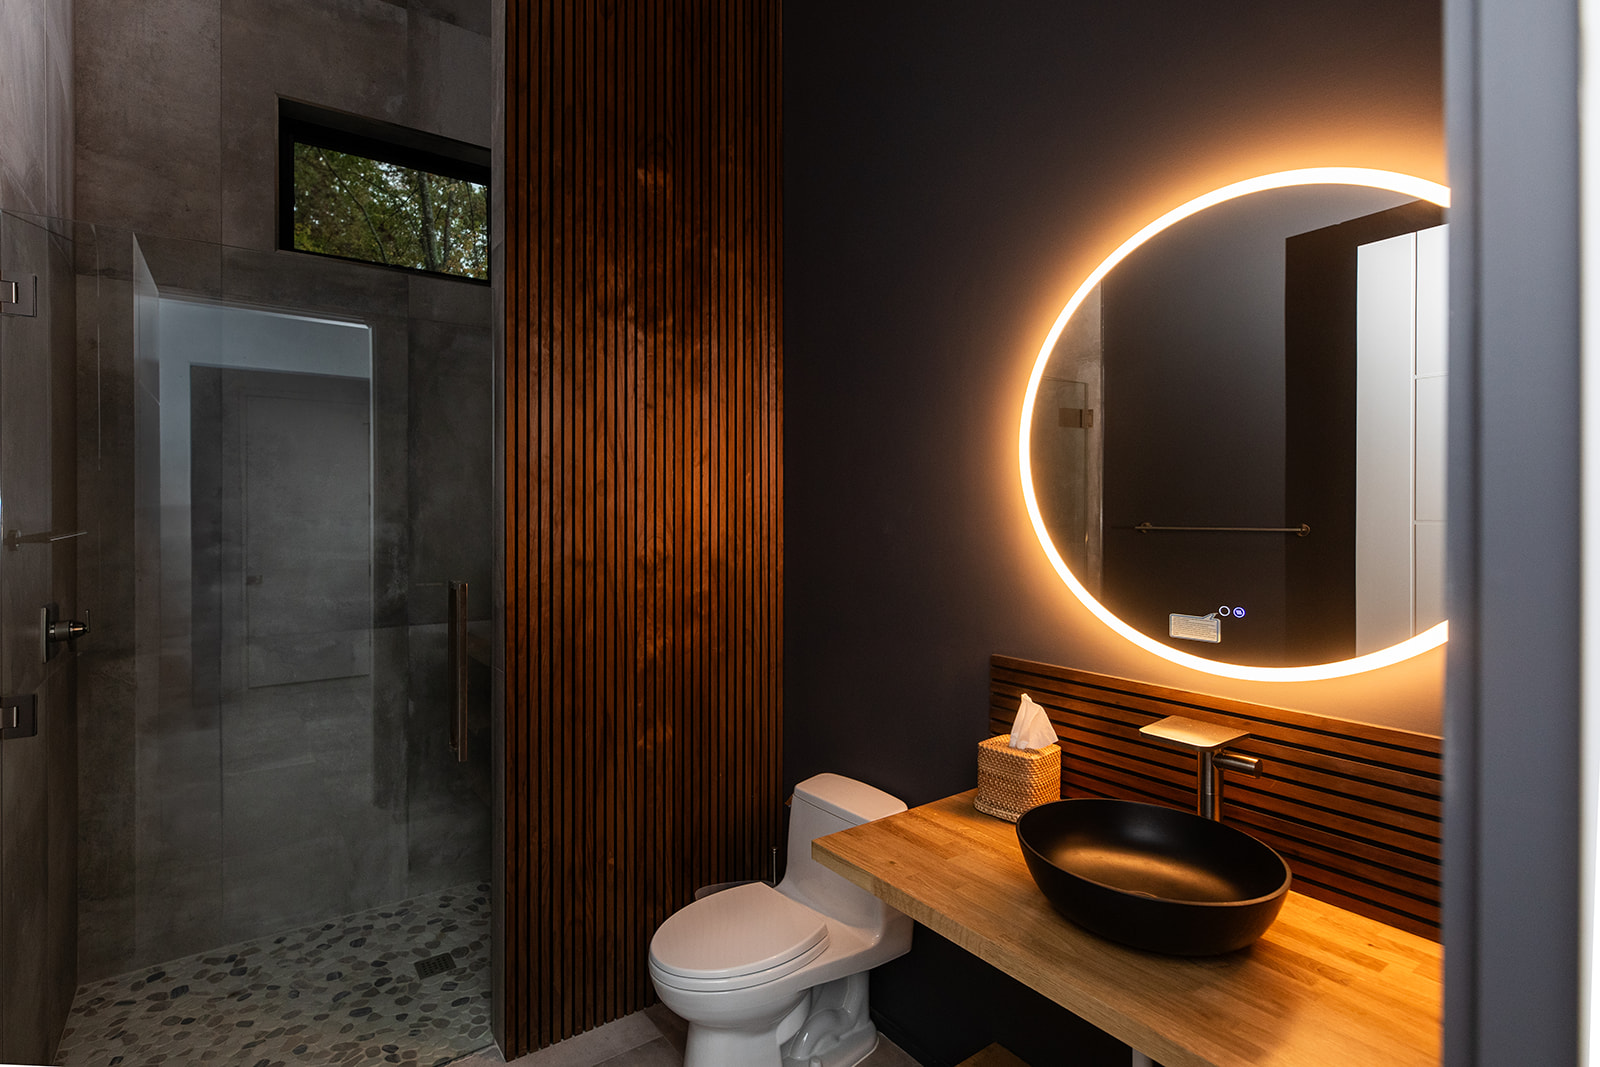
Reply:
x=456, y=667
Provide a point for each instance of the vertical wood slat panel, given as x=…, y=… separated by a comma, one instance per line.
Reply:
x=643, y=485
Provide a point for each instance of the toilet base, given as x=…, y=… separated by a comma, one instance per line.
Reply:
x=838, y=1030
x=710, y=1047
x=826, y=1026
x=712, y=1042
x=851, y=1050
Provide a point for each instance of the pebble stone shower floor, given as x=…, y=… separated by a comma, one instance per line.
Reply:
x=346, y=991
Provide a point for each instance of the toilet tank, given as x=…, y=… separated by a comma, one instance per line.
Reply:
x=825, y=804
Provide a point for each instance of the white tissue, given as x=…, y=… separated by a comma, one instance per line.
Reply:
x=1032, y=728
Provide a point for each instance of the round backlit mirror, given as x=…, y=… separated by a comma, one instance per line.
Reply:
x=1232, y=443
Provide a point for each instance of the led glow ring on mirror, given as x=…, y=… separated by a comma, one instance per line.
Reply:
x=1405, y=184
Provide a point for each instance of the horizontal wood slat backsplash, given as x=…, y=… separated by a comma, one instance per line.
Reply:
x=643, y=486
x=1354, y=808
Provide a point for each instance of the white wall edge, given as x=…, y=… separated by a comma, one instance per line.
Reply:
x=1589, y=281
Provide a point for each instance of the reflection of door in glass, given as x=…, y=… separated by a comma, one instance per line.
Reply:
x=283, y=568
x=303, y=537
x=1058, y=451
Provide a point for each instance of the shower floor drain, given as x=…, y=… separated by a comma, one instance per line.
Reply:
x=435, y=965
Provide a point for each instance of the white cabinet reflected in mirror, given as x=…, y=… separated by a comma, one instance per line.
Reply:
x=1401, y=370
x=1232, y=443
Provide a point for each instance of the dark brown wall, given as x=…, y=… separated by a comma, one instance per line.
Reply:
x=644, y=514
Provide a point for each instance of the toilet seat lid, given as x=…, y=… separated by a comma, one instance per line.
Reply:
x=739, y=931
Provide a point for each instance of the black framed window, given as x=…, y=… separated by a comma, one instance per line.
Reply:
x=358, y=189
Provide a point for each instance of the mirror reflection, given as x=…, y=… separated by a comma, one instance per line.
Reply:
x=1237, y=439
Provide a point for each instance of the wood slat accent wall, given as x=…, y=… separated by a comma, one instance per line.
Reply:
x=644, y=486
x=1354, y=808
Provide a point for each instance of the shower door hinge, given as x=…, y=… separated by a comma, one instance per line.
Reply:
x=19, y=294
x=19, y=717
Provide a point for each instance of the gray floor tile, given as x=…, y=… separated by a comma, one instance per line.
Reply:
x=653, y=1037
x=600, y=1045
x=657, y=1053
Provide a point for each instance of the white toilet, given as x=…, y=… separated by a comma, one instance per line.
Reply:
x=777, y=977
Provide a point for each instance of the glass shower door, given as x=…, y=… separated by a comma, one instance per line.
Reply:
x=38, y=597
x=294, y=460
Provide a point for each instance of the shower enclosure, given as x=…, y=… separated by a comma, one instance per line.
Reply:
x=284, y=462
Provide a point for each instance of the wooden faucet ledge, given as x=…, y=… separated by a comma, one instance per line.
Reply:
x=1323, y=985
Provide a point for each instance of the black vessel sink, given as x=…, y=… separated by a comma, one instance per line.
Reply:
x=1151, y=877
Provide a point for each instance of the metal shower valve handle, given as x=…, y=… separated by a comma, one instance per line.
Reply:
x=67, y=630
x=55, y=631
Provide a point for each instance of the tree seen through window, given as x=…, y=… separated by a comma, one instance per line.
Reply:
x=359, y=208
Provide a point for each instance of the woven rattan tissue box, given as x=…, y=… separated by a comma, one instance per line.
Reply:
x=1012, y=780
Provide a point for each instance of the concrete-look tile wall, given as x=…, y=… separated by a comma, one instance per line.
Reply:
x=36, y=100
x=177, y=99
x=38, y=775
x=177, y=143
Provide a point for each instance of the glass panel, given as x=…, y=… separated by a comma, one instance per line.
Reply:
x=37, y=576
x=266, y=466
x=284, y=463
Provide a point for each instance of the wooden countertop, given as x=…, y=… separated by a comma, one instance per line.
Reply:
x=1323, y=987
